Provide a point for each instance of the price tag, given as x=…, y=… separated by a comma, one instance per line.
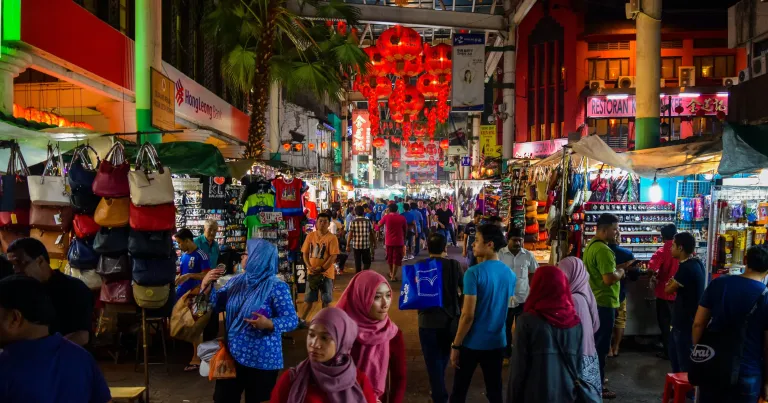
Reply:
x=57, y=219
x=59, y=239
x=270, y=217
x=14, y=220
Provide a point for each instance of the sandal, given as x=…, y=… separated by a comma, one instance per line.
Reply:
x=192, y=368
x=607, y=394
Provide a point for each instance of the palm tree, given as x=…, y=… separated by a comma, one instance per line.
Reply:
x=263, y=42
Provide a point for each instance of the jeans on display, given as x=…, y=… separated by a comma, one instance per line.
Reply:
x=362, y=259
x=490, y=362
x=680, y=346
x=746, y=390
x=512, y=314
x=436, y=347
x=603, y=335
x=664, y=317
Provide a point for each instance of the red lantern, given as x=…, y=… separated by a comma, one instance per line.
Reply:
x=395, y=164
x=397, y=117
x=379, y=66
x=413, y=102
x=407, y=68
x=287, y=146
x=441, y=163
x=438, y=59
x=323, y=145
x=399, y=43
x=701, y=113
x=444, y=144
x=428, y=85
x=679, y=109
x=298, y=146
x=378, y=142
x=335, y=144
x=431, y=148
x=341, y=27
x=396, y=140
x=311, y=146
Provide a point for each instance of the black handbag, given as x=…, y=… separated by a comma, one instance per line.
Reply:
x=716, y=359
x=81, y=254
x=79, y=176
x=111, y=241
x=154, y=272
x=150, y=244
x=117, y=266
x=15, y=191
x=84, y=201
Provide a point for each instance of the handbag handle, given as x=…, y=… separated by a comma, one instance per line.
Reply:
x=22, y=167
x=154, y=159
x=51, y=162
x=82, y=153
x=116, y=154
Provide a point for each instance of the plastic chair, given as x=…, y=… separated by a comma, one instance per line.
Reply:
x=676, y=387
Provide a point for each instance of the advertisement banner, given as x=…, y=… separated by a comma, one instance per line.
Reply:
x=163, y=107
x=468, y=72
x=197, y=104
x=625, y=107
x=488, y=141
x=383, y=161
x=361, y=132
x=538, y=149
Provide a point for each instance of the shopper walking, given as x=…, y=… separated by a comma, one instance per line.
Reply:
x=445, y=221
x=726, y=304
x=319, y=251
x=604, y=279
x=688, y=283
x=360, y=239
x=586, y=307
x=480, y=338
x=412, y=225
x=469, y=238
x=524, y=265
x=395, y=229
x=625, y=260
x=329, y=374
x=663, y=267
x=437, y=326
x=379, y=350
x=421, y=226
x=548, y=343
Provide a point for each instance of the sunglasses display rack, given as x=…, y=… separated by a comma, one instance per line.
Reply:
x=639, y=224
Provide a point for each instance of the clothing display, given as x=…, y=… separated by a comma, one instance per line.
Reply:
x=190, y=200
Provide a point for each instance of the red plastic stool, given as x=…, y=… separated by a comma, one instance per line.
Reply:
x=676, y=387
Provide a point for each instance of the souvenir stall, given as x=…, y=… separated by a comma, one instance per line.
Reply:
x=468, y=198
x=319, y=195
x=429, y=190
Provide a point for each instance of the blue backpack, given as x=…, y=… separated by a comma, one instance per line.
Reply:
x=422, y=285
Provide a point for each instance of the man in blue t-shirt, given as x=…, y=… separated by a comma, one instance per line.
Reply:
x=36, y=366
x=727, y=301
x=413, y=229
x=481, y=337
x=378, y=209
x=688, y=283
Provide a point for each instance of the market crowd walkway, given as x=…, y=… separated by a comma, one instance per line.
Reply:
x=637, y=376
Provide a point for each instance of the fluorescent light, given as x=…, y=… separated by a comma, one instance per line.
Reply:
x=722, y=94
x=618, y=96
x=689, y=95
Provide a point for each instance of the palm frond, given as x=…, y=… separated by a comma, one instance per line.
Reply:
x=238, y=68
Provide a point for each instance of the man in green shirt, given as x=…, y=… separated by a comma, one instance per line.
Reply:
x=604, y=280
x=207, y=241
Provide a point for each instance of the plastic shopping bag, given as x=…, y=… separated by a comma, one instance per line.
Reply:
x=422, y=285
x=222, y=365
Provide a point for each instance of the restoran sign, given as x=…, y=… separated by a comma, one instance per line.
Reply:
x=625, y=107
x=361, y=132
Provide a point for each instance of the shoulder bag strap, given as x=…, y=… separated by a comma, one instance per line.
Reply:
x=11, y=170
x=566, y=362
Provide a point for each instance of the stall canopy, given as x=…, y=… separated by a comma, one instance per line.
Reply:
x=745, y=149
x=675, y=160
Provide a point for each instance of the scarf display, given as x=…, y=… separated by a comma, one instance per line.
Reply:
x=550, y=298
x=577, y=276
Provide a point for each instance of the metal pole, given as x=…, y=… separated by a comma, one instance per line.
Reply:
x=146, y=353
x=648, y=75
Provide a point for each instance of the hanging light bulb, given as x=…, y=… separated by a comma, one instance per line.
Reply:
x=655, y=193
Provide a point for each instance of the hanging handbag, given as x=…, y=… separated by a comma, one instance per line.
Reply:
x=148, y=187
x=114, y=267
x=111, y=241
x=8, y=235
x=116, y=292
x=14, y=183
x=84, y=226
x=81, y=254
x=151, y=297
x=161, y=217
x=112, y=212
x=190, y=315
x=80, y=176
x=50, y=190
x=150, y=244
x=91, y=279
x=56, y=242
x=154, y=272
x=84, y=202
x=18, y=218
x=52, y=218
x=112, y=176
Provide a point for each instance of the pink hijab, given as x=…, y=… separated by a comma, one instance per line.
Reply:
x=374, y=335
x=337, y=377
x=583, y=300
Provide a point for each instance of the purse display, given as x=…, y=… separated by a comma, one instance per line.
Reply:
x=8, y=235
x=112, y=212
x=112, y=176
x=14, y=183
x=114, y=267
x=84, y=202
x=18, y=217
x=50, y=190
x=52, y=218
x=161, y=217
x=154, y=272
x=116, y=292
x=81, y=254
x=111, y=241
x=89, y=277
x=56, y=242
x=150, y=187
x=150, y=244
x=80, y=176
x=151, y=297
x=85, y=226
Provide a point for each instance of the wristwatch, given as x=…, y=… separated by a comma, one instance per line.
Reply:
x=455, y=347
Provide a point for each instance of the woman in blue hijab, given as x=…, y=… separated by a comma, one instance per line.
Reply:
x=259, y=308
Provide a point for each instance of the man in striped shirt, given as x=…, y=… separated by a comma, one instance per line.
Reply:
x=359, y=239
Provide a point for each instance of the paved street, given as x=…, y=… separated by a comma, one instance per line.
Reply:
x=637, y=376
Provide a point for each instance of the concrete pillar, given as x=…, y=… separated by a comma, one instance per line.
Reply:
x=148, y=54
x=475, y=147
x=273, y=142
x=648, y=75
x=510, y=60
x=12, y=63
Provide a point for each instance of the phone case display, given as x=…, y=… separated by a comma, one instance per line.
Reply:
x=738, y=227
x=276, y=233
x=639, y=224
x=189, y=200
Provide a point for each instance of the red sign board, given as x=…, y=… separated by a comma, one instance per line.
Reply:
x=361, y=132
x=538, y=149
x=616, y=107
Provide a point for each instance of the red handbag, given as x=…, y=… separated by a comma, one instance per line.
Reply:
x=112, y=178
x=18, y=217
x=85, y=227
x=117, y=292
x=161, y=217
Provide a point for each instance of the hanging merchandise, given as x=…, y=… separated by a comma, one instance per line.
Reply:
x=85, y=226
x=112, y=212
x=153, y=272
x=15, y=196
x=52, y=218
x=8, y=235
x=151, y=297
x=190, y=197
x=52, y=189
x=112, y=176
x=81, y=254
x=150, y=187
x=56, y=242
x=112, y=241
x=161, y=217
x=116, y=292
x=150, y=244
x=80, y=176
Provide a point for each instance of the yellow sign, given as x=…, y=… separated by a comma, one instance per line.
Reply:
x=488, y=144
x=163, y=107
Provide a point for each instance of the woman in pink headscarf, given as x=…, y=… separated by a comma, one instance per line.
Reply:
x=329, y=375
x=379, y=350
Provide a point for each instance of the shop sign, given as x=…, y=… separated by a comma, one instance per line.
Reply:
x=270, y=217
x=488, y=142
x=163, y=108
x=468, y=72
x=361, y=132
x=466, y=161
x=538, y=149
x=602, y=107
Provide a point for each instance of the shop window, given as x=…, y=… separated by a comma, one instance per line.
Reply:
x=669, y=66
x=706, y=126
x=715, y=67
x=618, y=127
x=607, y=69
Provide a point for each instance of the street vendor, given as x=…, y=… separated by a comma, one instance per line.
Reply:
x=207, y=241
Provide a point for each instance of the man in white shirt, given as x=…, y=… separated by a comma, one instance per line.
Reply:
x=523, y=264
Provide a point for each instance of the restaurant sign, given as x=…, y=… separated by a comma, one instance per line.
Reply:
x=605, y=107
x=361, y=132
x=538, y=149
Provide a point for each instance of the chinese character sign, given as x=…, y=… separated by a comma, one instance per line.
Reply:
x=488, y=141
x=361, y=133
x=468, y=72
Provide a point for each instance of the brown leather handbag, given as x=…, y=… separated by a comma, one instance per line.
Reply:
x=113, y=212
x=51, y=218
x=8, y=235
x=56, y=242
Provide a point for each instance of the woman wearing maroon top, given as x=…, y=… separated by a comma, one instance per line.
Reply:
x=379, y=350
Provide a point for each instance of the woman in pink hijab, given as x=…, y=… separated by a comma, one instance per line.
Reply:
x=379, y=350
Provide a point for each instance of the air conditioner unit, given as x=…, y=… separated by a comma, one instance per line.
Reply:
x=744, y=75
x=758, y=66
x=663, y=83
x=687, y=75
x=596, y=85
x=626, y=82
x=631, y=9
x=731, y=81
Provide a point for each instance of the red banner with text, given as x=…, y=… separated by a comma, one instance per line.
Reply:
x=361, y=132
